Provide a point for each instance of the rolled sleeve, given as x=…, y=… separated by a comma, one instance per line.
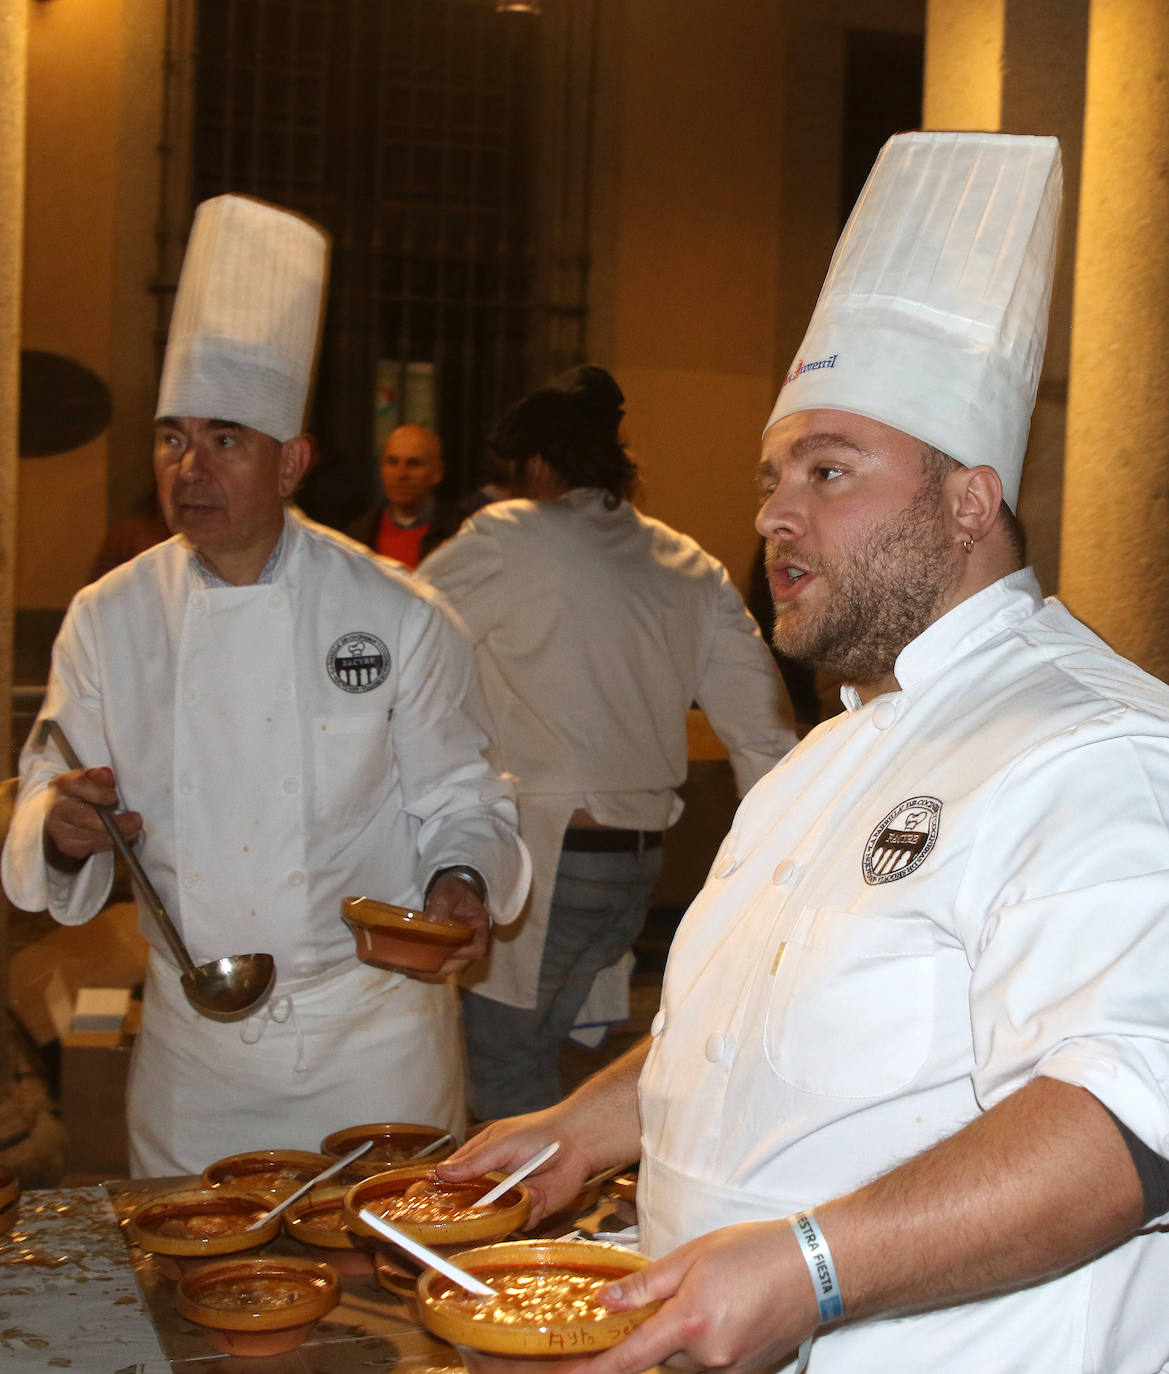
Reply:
x=74, y=700
x=466, y=809
x=1069, y=982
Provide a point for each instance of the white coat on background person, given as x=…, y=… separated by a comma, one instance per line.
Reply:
x=601, y=625
x=595, y=629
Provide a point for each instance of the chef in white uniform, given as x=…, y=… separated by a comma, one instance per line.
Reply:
x=291, y=721
x=905, y=1104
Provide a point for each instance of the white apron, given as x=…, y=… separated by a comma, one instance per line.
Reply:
x=352, y=1045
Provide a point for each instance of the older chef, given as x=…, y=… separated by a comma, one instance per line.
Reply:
x=293, y=722
x=595, y=629
x=922, y=992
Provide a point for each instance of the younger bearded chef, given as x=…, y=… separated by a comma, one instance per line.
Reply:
x=292, y=721
x=923, y=989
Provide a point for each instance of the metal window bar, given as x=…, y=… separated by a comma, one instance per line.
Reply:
x=445, y=148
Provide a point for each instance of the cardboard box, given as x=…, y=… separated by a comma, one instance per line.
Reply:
x=95, y=1067
x=45, y=977
x=93, y=1107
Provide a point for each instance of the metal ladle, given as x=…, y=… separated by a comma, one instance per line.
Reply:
x=223, y=989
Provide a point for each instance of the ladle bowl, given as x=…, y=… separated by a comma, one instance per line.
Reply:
x=232, y=987
x=224, y=989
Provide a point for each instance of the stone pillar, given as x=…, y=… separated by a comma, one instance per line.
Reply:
x=1018, y=66
x=1116, y=509
x=13, y=54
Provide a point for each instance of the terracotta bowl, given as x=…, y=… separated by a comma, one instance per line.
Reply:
x=393, y=1144
x=9, y=1199
x=387, y=1194
x=317, y=1221
x=558, y=1324
x=199, y=1223
x=275, y=1172
x=624, y=1185
x=396, y=937
x=258, y=1306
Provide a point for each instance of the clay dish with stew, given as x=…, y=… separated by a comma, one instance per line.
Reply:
x=9, y=1199
x=546, y=1308
x=262, y=1306
x=394, y=1142
x=199, y=1223
x=317, y=1221
x=436, y=1213
x=278, y=1172
x=395, y=937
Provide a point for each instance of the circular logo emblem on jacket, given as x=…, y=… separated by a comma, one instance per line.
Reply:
x=358, y=662
x=899, y=845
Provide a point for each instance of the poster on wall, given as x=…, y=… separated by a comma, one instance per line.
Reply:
x=402, y=396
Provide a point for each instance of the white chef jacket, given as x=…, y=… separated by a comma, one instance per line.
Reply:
x=288, y=744
x=935, y=897
x=595, y=629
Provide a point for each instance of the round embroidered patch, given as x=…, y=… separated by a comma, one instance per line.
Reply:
x=358, y=662
x=899, y=845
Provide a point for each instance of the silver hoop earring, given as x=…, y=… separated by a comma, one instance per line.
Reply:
x=968, y=544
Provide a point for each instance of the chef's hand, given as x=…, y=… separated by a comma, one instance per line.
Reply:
x=504, y=1145
x=453, y=898
x=73, y=830
x=737, y=1299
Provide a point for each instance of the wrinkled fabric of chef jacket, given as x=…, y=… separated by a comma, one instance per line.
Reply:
x=935, y=897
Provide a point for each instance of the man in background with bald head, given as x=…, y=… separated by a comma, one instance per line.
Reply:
x=411, y=522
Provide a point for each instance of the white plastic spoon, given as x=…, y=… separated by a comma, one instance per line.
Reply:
x=425, y=1255
x=522, y=1172
x=312, y=1183
x=430, y=1149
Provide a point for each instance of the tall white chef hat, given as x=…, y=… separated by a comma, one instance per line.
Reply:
x=933, y=316
x=246, y=323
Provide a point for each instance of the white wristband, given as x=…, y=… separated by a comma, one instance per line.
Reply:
x=818, y=1258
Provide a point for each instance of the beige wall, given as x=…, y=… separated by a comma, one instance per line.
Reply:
x=717, y=209
x=67, y=272
x=683, y=307
x=1116, y=516
x=93, y=81
x=1018, y=66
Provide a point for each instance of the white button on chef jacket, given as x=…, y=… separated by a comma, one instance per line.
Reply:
x=884, y=715
x=784, y=874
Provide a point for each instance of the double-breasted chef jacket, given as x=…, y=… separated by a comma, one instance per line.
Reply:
x=288, y=743
x=937, y=896
x=595, y=629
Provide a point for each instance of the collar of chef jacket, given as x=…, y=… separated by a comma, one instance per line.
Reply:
x=267, y=572
x=961, y=631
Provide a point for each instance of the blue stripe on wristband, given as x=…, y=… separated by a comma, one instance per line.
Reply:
x=818, y=1258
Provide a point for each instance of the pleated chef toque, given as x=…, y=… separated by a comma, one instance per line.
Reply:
x=244, y=332
x=933, y=316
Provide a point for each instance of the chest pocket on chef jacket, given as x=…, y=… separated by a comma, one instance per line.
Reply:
x=354, y=773
x=850, y=1012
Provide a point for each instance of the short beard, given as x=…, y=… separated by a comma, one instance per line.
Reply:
x=885, y=591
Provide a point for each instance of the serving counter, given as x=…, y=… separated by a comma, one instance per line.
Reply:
x=75, y=1295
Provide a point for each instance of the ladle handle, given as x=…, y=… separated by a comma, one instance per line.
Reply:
x=137, y=872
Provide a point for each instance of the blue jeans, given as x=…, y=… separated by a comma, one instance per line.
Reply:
x=599, y=905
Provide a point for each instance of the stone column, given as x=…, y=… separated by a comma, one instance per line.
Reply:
x=1116, y=508
x=1018, y=66
x=13, y=52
